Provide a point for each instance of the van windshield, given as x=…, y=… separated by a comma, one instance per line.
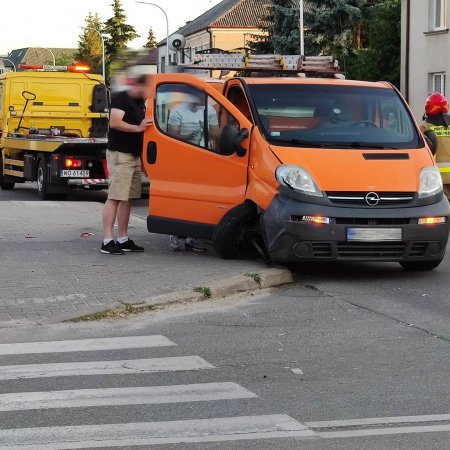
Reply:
x=306, y=115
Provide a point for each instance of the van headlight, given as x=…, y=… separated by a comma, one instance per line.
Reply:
x=430, y=182
x=298, y=179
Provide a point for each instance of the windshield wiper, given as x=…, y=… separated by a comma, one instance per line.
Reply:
x=367, y=145
x=300, y=142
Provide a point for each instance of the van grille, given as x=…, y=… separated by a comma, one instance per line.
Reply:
x=359, y=198
x=364, y=221
x=382, y=250
x=322, y=249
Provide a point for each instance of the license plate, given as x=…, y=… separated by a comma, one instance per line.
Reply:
x=75, y=173
x=374, y=234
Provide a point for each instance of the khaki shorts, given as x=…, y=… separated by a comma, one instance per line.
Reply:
x=125, y=176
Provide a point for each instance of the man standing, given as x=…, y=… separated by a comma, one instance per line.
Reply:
x=436, y=119
x=125, y=139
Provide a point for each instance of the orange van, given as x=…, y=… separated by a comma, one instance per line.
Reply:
x=294, y=169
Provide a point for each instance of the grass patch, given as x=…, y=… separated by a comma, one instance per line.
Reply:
x=256, y=277
x=206, y=291
x=127, y=310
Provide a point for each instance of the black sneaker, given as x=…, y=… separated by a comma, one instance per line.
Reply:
x=130, y=246
x=194, y=245
x=111, y=248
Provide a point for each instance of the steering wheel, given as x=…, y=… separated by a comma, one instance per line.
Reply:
x=365, y=124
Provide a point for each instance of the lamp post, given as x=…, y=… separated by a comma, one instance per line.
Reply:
x=167, y=27
x=302, y=32
x=6, y=59
x=103, y=50
x=53, y=55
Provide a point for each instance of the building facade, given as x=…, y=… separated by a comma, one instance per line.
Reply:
x=425, y=62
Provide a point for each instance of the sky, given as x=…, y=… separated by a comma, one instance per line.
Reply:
x=56, y=23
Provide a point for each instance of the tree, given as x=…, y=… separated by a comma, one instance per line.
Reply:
x=380, y=59
x=90, y=44
x=65, y=59
x=118, y=31
x=151, y=40
x=280, y=29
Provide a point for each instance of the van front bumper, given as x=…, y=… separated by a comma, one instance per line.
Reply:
x=291, y=239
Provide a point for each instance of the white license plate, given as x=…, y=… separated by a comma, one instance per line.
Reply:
x=75, y=173
x=374, y=234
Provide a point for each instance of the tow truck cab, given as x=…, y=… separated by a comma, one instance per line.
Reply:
x=298, y=169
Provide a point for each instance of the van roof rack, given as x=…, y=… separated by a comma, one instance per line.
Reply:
x=277, y=64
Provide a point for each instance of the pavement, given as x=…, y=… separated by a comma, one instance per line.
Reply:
x=51, y=268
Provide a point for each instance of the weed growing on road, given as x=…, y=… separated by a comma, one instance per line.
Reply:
x=114, y=313
x=256, y=277
x=206, y=291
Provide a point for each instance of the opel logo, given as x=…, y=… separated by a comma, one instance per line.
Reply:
x=372, y=199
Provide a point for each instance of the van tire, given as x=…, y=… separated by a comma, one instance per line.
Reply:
x=42, y=183
x=420, y=265
x=6, y=186
x=232, y=236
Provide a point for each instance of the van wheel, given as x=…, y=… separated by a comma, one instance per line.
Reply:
x=237, y=232
x=420, y=265
x=6, y=186
x=42, y=183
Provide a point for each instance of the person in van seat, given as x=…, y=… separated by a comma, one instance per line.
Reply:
x=437, y=119
x=125, y=139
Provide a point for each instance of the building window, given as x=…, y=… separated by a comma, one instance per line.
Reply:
x=438, y=14
x=437, y=82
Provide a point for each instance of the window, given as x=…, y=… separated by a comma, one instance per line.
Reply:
x=328, y=116
x=438, y=14
x=437, y=83
x=188, y=114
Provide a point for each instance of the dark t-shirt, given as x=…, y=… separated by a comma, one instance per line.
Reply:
x=123, y=141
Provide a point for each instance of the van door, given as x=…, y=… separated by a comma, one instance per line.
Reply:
x=192, y=185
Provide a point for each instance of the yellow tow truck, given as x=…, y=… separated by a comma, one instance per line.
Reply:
x=53, y=129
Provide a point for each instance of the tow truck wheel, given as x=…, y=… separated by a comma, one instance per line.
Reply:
x=236, y=233
x=420, y=265
x=42, y=183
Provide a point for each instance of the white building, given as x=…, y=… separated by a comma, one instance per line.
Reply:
x=425, y=51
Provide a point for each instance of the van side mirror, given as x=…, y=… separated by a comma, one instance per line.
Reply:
x=430, y=137
x=230, y=141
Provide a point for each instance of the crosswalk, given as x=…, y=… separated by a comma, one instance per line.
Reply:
x=59, y=367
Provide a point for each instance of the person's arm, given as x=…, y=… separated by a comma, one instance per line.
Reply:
x=174, y=125
x=116, y=122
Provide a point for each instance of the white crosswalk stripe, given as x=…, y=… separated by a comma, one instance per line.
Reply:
x=219, y=429
x=202, y=392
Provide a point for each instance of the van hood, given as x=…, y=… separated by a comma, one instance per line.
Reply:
x=359, y=169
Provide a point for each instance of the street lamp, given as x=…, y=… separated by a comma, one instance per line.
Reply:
x=167, y=28
x=6, y=59
x=302, y=32
x=53, y=55
x=103, y=49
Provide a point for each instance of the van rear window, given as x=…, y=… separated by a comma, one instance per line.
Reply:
x=306, y=115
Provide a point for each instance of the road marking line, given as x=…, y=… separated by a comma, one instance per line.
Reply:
x=85, y=345
x=378, y=421
x=132, y=366
x=152, y=433
x=202, y=392
x=383, y=431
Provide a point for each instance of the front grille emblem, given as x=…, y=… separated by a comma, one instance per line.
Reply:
x=372, y=199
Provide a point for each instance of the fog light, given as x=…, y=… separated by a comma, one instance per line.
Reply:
x=432, y=220
x=316, y=219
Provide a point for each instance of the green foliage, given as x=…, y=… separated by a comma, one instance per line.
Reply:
x=364, y=35
x=281, y=30
x=65, y=59
x=118, y=31
x=151, y=39
x=90, y=44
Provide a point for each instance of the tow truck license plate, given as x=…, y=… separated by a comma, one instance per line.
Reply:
x=374, y=234
x=75, y=173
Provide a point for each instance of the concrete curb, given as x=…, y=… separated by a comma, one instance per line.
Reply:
x=263, y=279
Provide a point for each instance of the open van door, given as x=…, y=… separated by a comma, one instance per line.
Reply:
x=196, y=155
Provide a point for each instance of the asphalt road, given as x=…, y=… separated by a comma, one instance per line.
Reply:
x=347, y=343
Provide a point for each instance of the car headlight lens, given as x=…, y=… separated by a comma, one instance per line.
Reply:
x=430, y=182
x=298, y=179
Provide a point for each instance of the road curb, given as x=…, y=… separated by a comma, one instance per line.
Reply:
x=263, y=279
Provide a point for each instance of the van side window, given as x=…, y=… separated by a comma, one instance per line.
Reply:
x=188, y=114
x=237, y=97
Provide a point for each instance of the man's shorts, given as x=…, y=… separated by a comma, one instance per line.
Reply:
x=125, y=175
